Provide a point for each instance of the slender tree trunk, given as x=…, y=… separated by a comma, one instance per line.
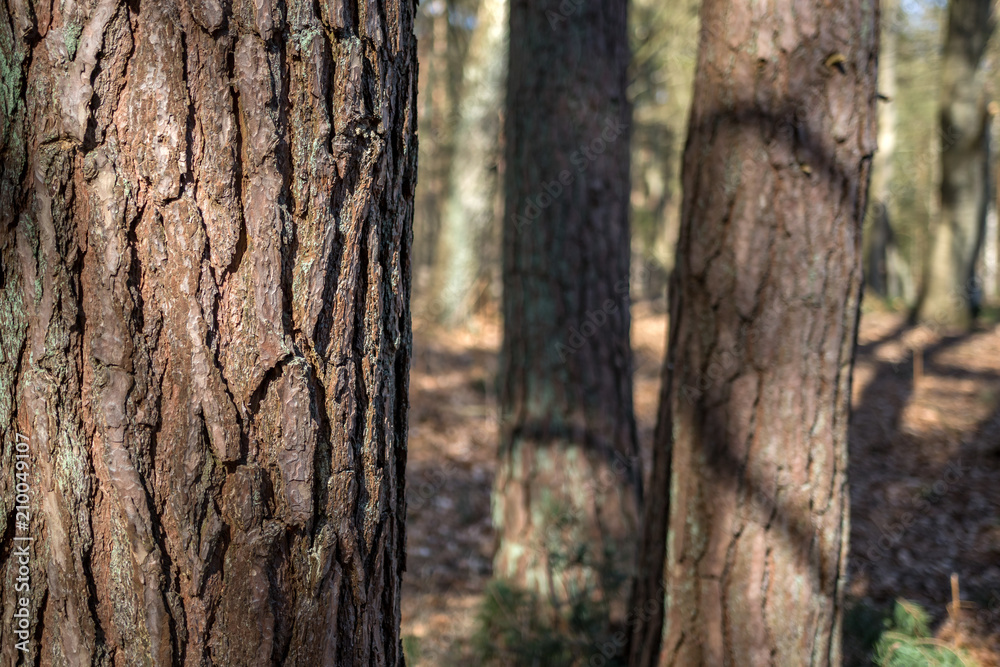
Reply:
x=436, y=122
x=949, y=276
x=467, y=215
x=567, y=488
x=889, y=274
x=881, y=237
x=899, y=276
x=991, y=231
x=205, y=215
x=751, y=449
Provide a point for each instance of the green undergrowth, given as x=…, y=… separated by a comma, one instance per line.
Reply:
x=513, y=630
x=907, y=642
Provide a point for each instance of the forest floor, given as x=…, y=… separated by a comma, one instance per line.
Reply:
x=924, y=476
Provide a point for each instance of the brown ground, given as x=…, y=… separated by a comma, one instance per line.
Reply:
x=925, y=467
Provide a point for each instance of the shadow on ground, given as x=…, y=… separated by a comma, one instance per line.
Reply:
x=925, y=458
x=925, y=461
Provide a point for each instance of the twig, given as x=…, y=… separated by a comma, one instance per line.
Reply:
x=955, y=602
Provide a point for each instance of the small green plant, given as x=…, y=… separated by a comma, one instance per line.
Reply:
x=907, y=642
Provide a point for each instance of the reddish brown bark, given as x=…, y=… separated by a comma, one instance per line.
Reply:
x=205, y=214
x=751, y=449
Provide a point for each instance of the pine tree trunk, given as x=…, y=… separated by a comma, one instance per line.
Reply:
x=467, y=215
x=751, y=448
x=205, y=226
x=949, y=276
x=567, y=489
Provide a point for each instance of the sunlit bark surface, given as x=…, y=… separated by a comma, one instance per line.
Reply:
x=205, y=213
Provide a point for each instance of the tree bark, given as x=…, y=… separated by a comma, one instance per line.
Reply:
x=467, y=216
x=751, y=446
x=567, y=488
x=205, y=227
x=948, y=290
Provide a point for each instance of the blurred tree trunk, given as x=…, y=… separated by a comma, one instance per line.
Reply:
x=437, y=110
x=991, y=251
x=468, y=211
x=888, y=273
x=947, y=293
x=750, y=458
x=881, y=237
x=205, y=215
x=899, y=275
x=567, y=488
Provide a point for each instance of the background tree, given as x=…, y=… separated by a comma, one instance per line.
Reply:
x=468, y=213
x=442, y=43
x=949, y=273
x=567, y=486
x=751, y=449
x=887, y=272
x=661, y=80
x=205, y=215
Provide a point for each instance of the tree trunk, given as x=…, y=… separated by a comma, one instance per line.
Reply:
x=467, y=215
x=991, y=234
x=881, y=237
x=205, y=216
x=436, y=103
x=751, y=447
x=899, y=275
x=991, y=242
x=949, y=276
x=567, y=488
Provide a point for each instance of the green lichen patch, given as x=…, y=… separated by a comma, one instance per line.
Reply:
x=71, y=35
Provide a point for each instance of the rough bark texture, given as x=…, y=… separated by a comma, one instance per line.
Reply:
x=751, y=449
x=949, y=276
x=205, y=223
x=565, y=502
x=468, y=212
